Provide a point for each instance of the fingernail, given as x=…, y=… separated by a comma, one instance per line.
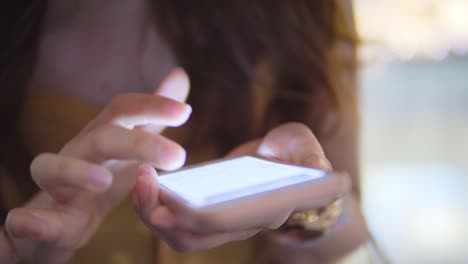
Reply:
x=99, y=180
x=184, y=115
x=177, y=112
x=178, y=79
x=266, y=151
x=325, y=164
x=178, y=163
x=171, y=157
x=187, y=111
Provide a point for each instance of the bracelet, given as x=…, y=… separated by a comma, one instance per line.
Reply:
x=316, y=219
x=12, y=252
x=314, y=223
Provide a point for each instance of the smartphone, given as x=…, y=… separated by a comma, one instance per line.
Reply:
x=245, y=192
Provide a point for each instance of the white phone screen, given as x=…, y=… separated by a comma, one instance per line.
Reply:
x=234, y=178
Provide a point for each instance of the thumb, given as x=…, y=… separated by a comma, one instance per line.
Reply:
x=296, y=144
x=146, y=199
x=146, y=191
x=175, y=85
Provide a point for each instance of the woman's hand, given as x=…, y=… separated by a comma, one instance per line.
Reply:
x=96, y=170
x=293, y=143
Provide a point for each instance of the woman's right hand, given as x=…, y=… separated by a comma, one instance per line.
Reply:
x=96, y=170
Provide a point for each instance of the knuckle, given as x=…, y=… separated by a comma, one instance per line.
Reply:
x=63, y=167
x=148, y=145
x=48, y=170
x=116, y=104
x=158, y=149
x=131, y=104
x=141, y=140
x=69, y=149
x=96, y=138
x=148, y=101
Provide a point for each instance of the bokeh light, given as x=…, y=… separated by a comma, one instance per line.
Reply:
x=414, y=104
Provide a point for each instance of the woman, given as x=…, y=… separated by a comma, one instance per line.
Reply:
x=80, y=109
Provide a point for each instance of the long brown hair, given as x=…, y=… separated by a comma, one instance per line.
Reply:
x=221, y=44
x=19, y=29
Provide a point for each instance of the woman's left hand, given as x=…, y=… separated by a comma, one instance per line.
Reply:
x=292, y=143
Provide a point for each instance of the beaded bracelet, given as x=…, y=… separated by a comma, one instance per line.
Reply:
x=314, y=223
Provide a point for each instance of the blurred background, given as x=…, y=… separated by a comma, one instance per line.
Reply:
x=414, y=98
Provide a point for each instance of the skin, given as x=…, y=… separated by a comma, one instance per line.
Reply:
x=91, y=175
x=291, y=142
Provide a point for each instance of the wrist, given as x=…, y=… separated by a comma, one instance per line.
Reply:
x=347, y=234
x=308, y=226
